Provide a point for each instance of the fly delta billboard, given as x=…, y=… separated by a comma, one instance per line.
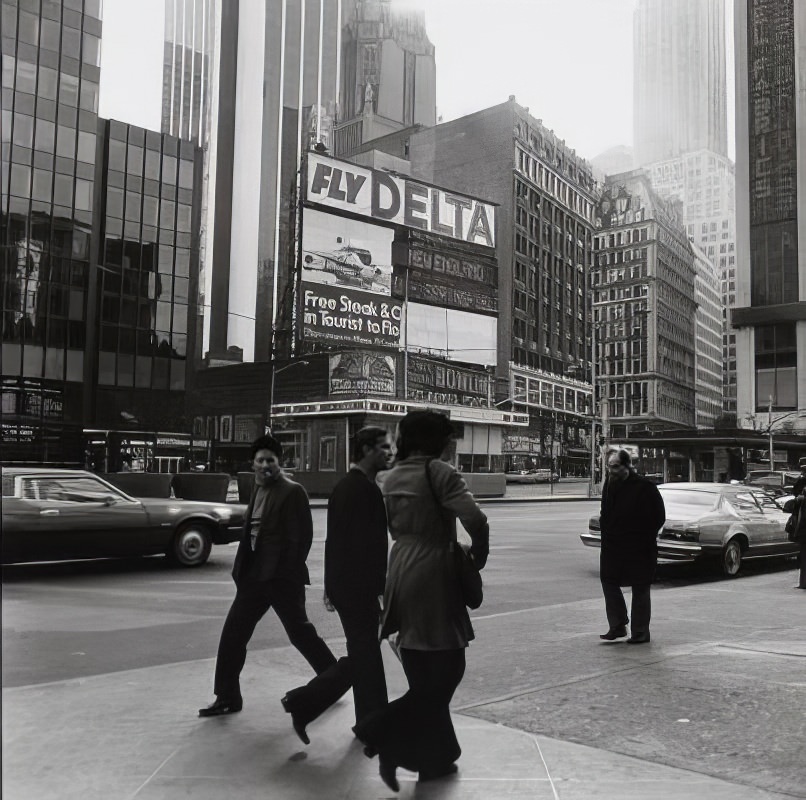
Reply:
x=346, y=286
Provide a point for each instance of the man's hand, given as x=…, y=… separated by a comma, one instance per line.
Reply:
x=327, y=604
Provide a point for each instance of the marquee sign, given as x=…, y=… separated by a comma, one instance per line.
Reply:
x=397, y=199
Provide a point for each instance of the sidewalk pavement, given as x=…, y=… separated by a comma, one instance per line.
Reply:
x=135, y=736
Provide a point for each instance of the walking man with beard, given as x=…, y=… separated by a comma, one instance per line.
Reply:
x=632, y=514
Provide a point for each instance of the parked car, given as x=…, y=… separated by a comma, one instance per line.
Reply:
x=545, y=476
x=719, y=522
x=55, y=514
x=779, y=481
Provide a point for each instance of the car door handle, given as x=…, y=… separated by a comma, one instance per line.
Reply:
x=49, y=512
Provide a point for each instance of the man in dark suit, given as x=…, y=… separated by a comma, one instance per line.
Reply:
x=632, y=514
x=269, y=571
x=355, y=574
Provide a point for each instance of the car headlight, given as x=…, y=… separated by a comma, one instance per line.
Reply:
x=222, y=512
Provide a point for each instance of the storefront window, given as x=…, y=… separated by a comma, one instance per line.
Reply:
x=327, y=454
x=295, y=450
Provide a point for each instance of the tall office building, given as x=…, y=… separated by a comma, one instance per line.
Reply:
x=51, y=73
x=770, y=312
x=546, y=197
x=680, y=128
x=190, y=38
x=679, y=87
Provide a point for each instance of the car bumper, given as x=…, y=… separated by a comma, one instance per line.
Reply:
x=228, y=532
x=679, y=551
x=591, y=539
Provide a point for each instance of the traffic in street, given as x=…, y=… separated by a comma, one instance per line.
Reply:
x=723, y=674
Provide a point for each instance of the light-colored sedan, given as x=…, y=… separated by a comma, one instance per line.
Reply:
x=57, y=514
x=724, y=523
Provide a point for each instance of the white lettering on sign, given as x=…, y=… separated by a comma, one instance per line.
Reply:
x=393, y=198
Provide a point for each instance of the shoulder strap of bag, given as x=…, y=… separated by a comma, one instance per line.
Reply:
x=448, y=534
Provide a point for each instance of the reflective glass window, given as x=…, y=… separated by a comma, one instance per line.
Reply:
x=23, y=130
x=106, y=368
x=180, y=344
x=20, y=180
x=142, y=373
x=26, y=77
x=43, y=184
x=49, y=35
x=152, y=170
x=68, y=90
x=28, y=30
x=71, y=40
x=76, y=335
x=183, y=218
x=125, y=370
x=133, y=206
x=117, y=155
x=114, y=202
x=86, y=147
x=181, y=290
x=91, y=54
x=84, y=195
x=166, y=258
x=45, y=135
x=89, y=96
x=134, y=163
x=163, y=315
x=8, y=69
x=180, y=319
x=177, y=375
x=76, y=307
x=167, y=214
x=169, y=169
x=150, y=211
x=186, y=174
x=182, y=262
x=65, y=141
x=5, y=127
x=161, y=367
x=48, y=79
x=63, y=190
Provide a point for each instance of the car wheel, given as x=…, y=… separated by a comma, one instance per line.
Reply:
x=191, y=545
x=732, y=558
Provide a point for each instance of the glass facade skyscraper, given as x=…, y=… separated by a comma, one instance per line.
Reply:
x=51, y=72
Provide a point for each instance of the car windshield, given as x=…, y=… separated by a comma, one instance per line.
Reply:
x=687, y=504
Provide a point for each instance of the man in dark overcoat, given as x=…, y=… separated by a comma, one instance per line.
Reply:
x=269, y=572
x=632, y=514
x=355, y=574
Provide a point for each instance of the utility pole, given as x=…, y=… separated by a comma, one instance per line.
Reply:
x=769, y=429
x=592, y=492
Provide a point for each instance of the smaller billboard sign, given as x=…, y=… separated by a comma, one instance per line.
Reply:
x=361, y=373
x=336, y=314
x=433, y=381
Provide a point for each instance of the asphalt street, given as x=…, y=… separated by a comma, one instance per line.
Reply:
x=721, y=690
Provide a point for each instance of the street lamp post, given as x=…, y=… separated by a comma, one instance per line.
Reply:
x=274, y=373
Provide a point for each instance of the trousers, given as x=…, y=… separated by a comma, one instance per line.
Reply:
x=415, y=731
x=252, y=600
x=362, y=669
x=616, y=607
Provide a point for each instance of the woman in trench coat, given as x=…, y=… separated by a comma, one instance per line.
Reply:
x=422, y=603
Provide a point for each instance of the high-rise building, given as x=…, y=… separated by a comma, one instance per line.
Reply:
x=99, y=257
x=546, y=198
x=704, y=183
x=643, y=309
x=707, y=341
x=680, y=127
x=770, y=313
x=680, y=93
x=51, y=73
x=190, y=39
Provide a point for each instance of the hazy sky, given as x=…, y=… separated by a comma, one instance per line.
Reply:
x=568, y=61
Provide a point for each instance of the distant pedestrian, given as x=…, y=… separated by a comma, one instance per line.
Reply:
x=269, y=571
x=800, y=483
x=355, y=573
x=632, y=513
x=797, y=507
x=423, y=602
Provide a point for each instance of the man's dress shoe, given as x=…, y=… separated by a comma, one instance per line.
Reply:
x=614, y=633
x=638, y=638
x=220, y=707
x=296, y=721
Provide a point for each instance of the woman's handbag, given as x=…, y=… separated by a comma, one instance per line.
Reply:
x=467, y=574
